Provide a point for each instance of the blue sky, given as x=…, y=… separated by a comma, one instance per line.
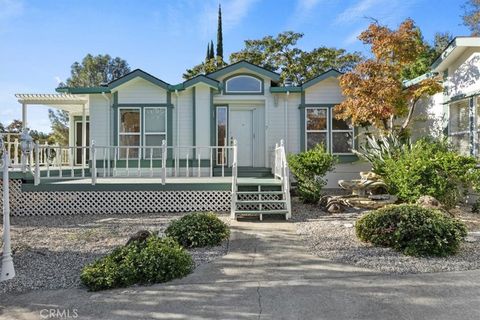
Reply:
x=39, y=40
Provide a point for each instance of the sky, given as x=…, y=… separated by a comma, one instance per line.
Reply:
x=40, y=39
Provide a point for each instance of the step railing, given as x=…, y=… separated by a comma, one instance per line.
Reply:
x=282, y=172
x=234, y=179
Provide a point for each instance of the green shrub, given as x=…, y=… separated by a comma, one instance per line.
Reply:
x=430, y=168
x=412, y=230
x=198, y=230
x=155, y=260
x=309, y=169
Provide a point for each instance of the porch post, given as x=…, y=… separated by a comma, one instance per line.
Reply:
x=84, y=135
x=24, y=116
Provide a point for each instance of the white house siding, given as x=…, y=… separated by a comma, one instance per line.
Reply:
x=184, y=108
x=99, y=120
x=464, y=74
x=327, y=91
x=293, y=123
x=141, y=91
x=202, y=118
x=429, y=117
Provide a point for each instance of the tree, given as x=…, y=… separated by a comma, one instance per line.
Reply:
x=212, y=51
x=16, y=126
x=202, y=68
x=281, y=54
x=219, y=35
x=59, y=121
x=96, y=70
x=2, y=127
x=471, y=16
x=374, y=90
x=441, y=41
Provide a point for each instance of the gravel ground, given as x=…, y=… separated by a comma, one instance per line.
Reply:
x=333, y=236
x=50, y=251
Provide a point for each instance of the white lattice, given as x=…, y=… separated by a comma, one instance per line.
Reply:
x=258, y=197
x=107, y=202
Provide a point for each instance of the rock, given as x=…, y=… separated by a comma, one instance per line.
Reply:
x=335, y=208
x=139, y=236
x=429, y=202
x=471, y=239
x=348, y=225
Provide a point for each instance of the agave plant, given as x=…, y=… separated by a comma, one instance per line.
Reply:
x=377, y=150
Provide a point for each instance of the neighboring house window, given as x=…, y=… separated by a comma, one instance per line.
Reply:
x=155, y=130
x=129, y=132
x=222, y=123
x=459, y=126
x=342, y=136
x=316, y=125
x=243, y=84
x=321, y=127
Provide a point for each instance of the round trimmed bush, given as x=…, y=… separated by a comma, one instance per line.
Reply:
x=151, y=261
x=412, y=229
x=198, y=230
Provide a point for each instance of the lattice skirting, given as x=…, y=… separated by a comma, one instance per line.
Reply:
x=108, y=202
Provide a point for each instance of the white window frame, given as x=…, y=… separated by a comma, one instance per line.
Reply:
x=226, y=134
x=327, y=140
x=332, y=131
x=458, y=133
x=119, y=133
x=247, y=76
x=145, y=133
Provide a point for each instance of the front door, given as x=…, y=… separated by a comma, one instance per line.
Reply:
x=241, y=128
x=78, y=142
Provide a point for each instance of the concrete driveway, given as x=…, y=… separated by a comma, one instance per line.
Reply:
x=267, y=274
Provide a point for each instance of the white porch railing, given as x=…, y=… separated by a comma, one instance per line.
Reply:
x=282, y=172
x=15, y=152
x=156, y=162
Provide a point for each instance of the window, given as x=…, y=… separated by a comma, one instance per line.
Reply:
x=459, y=126
x=155, y=130
x=342, y=136
x=221, y=116
x=321, y=127
x=316, y=125
x=243, y=84
x=129, y=132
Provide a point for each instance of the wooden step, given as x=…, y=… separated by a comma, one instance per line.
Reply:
x=238, y=212
x=260, y=201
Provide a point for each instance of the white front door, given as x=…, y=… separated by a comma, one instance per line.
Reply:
x=241, y=128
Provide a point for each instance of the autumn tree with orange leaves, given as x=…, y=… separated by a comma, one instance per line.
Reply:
x=374, y=91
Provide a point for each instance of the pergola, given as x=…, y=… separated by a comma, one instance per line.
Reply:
x=68, y=102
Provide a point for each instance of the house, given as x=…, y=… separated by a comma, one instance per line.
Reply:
x=238, y=121
x=455, y=112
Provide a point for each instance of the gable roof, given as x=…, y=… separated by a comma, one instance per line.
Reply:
x=247, y=65
x=332, y=73
x=141, y=74
x=454, y=49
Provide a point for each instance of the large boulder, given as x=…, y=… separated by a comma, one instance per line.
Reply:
x=140, y=236
x=429, y=202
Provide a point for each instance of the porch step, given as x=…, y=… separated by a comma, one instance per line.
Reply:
x=245, y=172
x=260, y=201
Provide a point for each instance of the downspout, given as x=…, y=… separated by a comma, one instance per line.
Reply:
x=178, y=118
x=285, y=113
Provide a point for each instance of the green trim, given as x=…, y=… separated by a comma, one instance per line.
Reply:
x=462, y=97
x=201, y=79
x=212, y=109
x=141, y=74
x=247, y=65
x=224, y=83
x=115, y=98
x=285, y=89
x=80, y=90
x=99, y=186
x=80, y=118
x=328, y=74
x=141, y=105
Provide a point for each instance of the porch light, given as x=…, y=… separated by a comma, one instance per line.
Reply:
x=7, y=272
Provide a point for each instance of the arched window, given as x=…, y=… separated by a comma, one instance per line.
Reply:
x=243, y=84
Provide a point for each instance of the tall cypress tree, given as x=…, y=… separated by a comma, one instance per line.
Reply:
x=207, y=56
x=220, y=34
x=212, y=50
